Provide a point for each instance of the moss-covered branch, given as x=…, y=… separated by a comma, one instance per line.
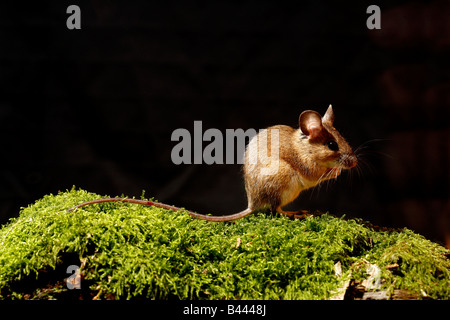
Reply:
x=131, y=251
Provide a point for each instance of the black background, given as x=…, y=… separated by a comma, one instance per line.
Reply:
x=96, y=107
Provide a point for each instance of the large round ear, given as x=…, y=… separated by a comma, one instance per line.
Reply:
x=328, y=117
x=310, y=123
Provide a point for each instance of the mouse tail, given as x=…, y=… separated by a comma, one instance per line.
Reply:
x=166, y=206
x=141, y=202
x=226, y=218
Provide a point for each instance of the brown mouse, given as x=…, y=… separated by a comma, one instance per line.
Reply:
x=279, y=163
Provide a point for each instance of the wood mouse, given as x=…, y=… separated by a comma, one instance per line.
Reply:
x=279, y=163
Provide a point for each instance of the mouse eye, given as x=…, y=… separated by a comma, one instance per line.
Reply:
x=332, y=145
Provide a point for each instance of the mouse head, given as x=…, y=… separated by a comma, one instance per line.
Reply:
x=328, y=148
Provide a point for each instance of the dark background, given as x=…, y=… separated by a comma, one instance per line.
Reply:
x=96, y=107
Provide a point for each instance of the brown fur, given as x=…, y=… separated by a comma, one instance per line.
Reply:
x=304, y=161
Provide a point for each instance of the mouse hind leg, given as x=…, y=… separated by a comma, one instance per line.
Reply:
x=300, y=214
x=291, y=191
x=276, y=206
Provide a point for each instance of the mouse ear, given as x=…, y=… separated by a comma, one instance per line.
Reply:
x=310, y=123
x=329, y=116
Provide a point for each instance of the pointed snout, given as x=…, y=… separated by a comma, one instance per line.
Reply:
x=349, y=160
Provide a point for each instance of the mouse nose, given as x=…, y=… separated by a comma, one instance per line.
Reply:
x=354, y=161
x=349, y=160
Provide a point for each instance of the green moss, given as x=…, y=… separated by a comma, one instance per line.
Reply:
x=131, y=251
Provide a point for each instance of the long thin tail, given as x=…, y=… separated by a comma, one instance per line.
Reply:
x=226, y=218
x=231, y=217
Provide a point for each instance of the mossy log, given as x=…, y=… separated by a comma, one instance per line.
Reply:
x=128, y=251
